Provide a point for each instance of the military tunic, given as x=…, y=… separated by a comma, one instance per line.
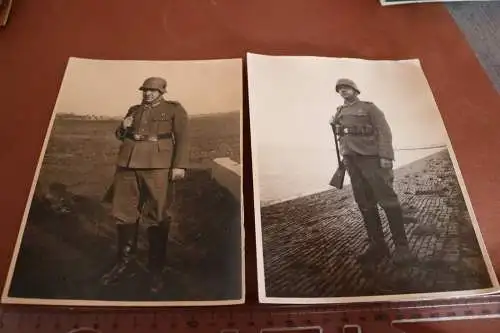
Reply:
x=164, y=117
x=363, y=130
x=156, y=142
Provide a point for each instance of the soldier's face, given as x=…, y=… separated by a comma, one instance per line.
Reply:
x=347, y=92
x=150, y=96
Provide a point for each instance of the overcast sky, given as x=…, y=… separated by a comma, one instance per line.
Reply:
x=293, y=98
x=110, y=87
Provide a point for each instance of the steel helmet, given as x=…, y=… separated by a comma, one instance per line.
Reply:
x=155, y=83
x=346, y=82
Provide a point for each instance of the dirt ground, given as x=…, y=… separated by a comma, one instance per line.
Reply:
x=69, y=241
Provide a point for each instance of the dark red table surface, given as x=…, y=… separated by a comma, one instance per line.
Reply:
x=41, y=35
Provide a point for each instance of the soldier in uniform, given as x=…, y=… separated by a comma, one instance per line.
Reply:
x=153, y=153
x=365, y=141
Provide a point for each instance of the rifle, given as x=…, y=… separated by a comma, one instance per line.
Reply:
x=338, y=177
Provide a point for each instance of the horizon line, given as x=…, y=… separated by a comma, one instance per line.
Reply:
x=120, y=116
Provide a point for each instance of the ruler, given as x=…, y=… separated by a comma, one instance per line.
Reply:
x=356, y=318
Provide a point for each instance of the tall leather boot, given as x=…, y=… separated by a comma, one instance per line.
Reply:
x=125, y=255
x=402, y=252
x=158, y=236
x=377, y=247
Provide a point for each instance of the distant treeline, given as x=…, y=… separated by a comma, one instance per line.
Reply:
x=73, y=116
x=84, y=116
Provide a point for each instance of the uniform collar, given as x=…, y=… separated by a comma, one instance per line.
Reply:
x=155, y=104
x=356, y=100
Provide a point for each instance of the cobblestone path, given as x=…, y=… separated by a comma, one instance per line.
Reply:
x=311, y=243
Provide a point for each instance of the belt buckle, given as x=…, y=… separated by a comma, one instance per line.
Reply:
x=137, y=137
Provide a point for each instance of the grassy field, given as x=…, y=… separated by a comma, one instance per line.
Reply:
x=70, y=237
x=82, y=153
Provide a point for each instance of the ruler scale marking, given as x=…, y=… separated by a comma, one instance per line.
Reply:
x=246, y=320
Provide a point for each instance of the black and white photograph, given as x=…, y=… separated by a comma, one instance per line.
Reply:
x=5, y=6
x=358, y=195
x=137, y=195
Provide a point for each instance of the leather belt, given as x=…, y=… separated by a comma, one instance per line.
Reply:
x=356, y=131
x=153, y=138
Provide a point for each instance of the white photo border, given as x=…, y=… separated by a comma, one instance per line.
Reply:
x=262, y=295
x=6, y=299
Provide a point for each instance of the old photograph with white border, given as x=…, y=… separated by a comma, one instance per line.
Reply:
x=358, y=195
x=137, y=196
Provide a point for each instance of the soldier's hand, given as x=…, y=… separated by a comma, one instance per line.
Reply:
x=178, y=174
x=127, y=122
x=385, y=163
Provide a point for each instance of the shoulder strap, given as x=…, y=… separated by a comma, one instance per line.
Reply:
x=132, y=110
x=173, y=102
x=339, y=109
